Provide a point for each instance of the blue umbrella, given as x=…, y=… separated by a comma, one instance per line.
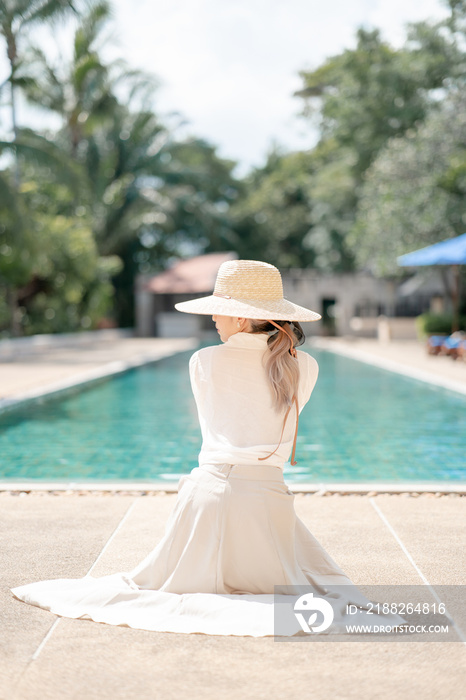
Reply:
x=449, y=252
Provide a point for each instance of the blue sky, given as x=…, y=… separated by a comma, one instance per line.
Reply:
x=230, y=67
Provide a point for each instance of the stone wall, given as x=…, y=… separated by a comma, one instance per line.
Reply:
x=355, y=294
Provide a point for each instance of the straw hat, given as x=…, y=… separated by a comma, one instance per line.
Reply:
x=248, y=289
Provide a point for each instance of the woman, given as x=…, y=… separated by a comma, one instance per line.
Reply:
x=233, y=537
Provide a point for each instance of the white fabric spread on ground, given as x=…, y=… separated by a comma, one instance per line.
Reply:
x=233, y=535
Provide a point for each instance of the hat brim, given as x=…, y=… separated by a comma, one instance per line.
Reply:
x=279, y=310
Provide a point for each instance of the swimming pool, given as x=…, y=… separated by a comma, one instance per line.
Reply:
x=362, y=424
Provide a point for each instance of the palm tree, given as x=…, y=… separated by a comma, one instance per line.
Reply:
x=16, y=17
x=141, y=187
x=81, y=92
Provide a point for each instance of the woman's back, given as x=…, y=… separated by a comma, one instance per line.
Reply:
x=235, y=402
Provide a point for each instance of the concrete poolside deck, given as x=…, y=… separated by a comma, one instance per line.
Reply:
x=384, y=539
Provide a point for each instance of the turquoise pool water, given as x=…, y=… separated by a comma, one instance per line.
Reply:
x=362, y=424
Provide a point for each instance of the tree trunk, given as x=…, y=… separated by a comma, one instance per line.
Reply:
x=12, y=302
x=15, y=133
x=446, y=282
x=455, y=298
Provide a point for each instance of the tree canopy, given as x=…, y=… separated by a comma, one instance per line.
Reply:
x=112, y=177
x=112, y=191
x=415, y=192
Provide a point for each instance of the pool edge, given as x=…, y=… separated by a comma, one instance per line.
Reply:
x=143, y=488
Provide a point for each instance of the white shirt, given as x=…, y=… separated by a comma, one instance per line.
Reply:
x=234, y=400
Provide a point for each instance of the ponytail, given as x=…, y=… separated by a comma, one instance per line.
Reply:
x=280, y=363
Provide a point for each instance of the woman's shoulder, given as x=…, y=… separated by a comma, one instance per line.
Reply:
x=204, y=354
x=203, y=361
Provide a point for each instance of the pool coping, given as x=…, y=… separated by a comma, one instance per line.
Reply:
x=154, y=487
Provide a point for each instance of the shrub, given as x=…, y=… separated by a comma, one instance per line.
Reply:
x=429, y=324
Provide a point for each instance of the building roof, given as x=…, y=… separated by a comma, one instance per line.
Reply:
x=194, y=276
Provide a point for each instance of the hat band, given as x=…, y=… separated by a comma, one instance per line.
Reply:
x=239, y=298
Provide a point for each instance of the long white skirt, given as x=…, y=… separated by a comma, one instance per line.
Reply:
x=232, y=538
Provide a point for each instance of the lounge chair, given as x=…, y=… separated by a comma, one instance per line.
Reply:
x=434, y=344
x=462, y=350
x=452, y=344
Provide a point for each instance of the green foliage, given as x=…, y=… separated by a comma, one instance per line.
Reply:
x=272, y=220
x=415, y=192
x=16, y=241
x=441, y=324
x=60, y=282
x=17, y=17
x=82, y=90
x=289, y=214
x=184, y=209
x=112, y=182
x=112, y=193
x=371, y=101
x=369, y=94
x=70, y=288
x=31, y=147
x=333, y=197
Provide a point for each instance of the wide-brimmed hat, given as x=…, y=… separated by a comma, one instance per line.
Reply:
x=248, y=289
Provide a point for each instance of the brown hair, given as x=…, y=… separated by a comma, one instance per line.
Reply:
x=281, y=367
